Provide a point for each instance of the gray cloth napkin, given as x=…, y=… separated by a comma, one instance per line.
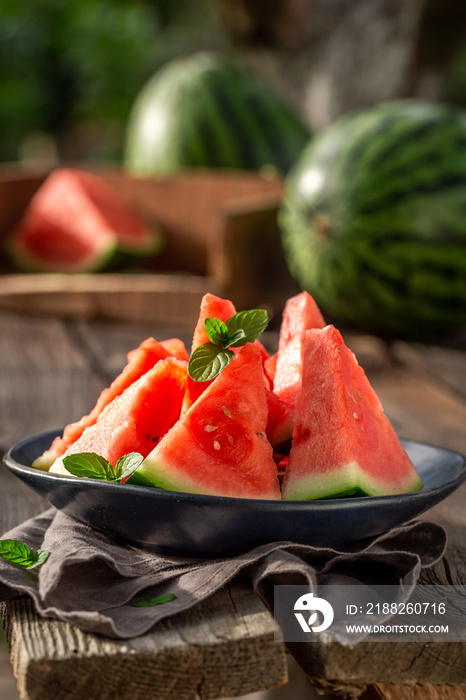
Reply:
x=90, y=580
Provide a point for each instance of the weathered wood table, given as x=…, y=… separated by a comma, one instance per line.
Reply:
x=51, y=371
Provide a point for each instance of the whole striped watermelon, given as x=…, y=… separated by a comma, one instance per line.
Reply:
x=205, y=111
x=374, y=219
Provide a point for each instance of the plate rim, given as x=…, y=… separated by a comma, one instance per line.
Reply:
x=205, y=499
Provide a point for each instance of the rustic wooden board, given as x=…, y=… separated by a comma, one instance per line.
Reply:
x=156, y=298
x=52, y=371
x=224, y=646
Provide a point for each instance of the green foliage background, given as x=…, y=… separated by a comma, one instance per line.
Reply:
x=71, y=69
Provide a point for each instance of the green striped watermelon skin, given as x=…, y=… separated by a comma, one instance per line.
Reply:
x=205, y=111
x=374, y=219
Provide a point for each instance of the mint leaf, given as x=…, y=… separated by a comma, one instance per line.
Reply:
x=19, y=553
x=216, y=330
x=236, y=339
x=127, y=464
x=90, y=465
x=207, y=361
x=253, y=323
x=157, y=600
x=210, y=359
x=41, y=557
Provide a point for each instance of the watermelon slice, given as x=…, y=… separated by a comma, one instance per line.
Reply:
x=76, y=223
x=140, y=361
x=211, y=307
x=136, y=419
x=343, y=444
x=219, y=446
x=300, y=314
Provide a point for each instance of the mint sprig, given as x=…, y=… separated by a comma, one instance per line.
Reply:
x=156, y=600
x=209, y=359
x=20, y=554
x=93, y=466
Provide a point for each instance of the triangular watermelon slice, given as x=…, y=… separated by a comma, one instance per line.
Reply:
x=300, y=314
x=140, y=361
x=211, y=307
x=343, y=444
x=219, y=446
x=136, y=419
x=280, y=424
x=75, y=223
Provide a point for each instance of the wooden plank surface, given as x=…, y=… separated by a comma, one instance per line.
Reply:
x=160, y=298
x=51, y=373
x=52, y=370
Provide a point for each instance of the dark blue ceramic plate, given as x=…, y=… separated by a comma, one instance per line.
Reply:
x=185, y=524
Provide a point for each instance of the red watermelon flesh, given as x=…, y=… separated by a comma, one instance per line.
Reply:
x=74, y=223
x=176, y=348
x=219, y=446
x=270, y=367
x=280, y=421
x=300, y=313
x=136, y=419
x=211, y=307
x=343, y=444
x=140, y=361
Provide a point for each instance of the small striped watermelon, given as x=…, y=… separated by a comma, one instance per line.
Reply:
x=205, y=111
x=373, y=219
x=343, y=443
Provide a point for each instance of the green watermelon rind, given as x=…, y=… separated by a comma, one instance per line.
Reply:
x=151, y=245
x=347, y=479
x=125, y=256
x=154, y=473
x=160, y=474
x=24, y=260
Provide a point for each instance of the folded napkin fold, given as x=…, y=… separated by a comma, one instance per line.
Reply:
x=90, y=580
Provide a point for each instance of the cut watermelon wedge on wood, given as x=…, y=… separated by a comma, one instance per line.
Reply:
x=219, y=446
x=76, y=222
x=136, y=419
x=343, y=443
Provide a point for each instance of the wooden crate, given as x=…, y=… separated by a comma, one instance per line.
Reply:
x=221, y=235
